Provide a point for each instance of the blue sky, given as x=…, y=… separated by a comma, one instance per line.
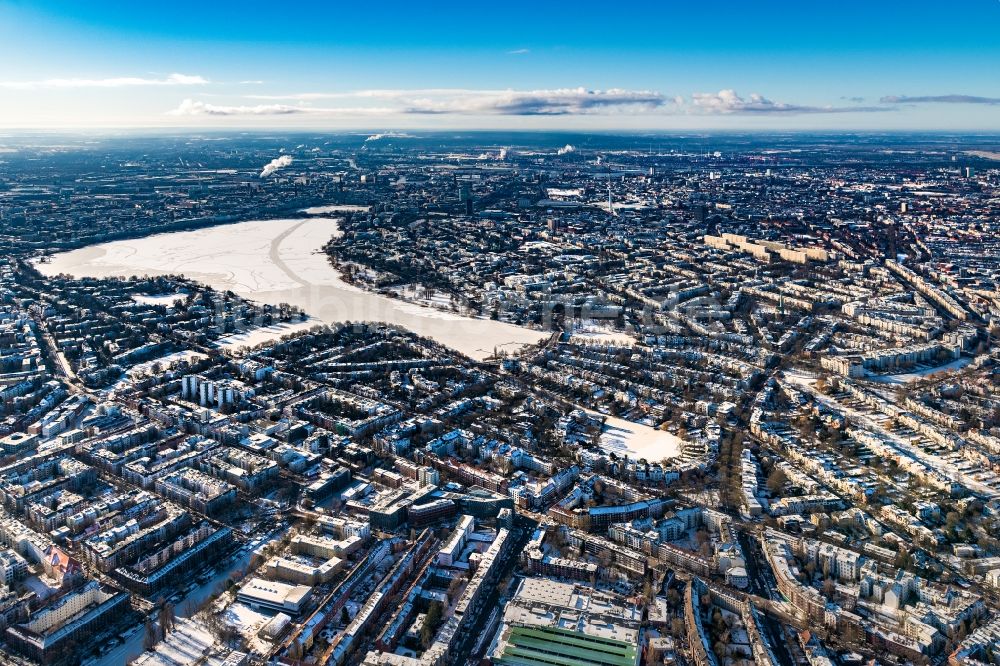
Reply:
x=532, y=65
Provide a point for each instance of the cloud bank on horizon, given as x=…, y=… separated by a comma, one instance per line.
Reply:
x=451, y=65
x=220, y=101
x=553, y=102
x=728, y=101
x=939, y=99
x=190, y=107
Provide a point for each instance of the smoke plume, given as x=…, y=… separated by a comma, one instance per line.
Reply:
x=275, y=164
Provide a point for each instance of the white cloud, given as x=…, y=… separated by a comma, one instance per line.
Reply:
x=389, y=94
x=729, y=102
x=510, y=102
x=518, y=51
x=115, y=82
x=560, y=101
x=556, y=102
x=940, y=99
x=190, y=107
x=568, y=101
x=566, y=150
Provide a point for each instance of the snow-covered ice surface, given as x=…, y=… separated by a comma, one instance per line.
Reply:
x=281, y=261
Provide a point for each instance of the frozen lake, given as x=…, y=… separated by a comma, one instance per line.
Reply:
x=281, y=261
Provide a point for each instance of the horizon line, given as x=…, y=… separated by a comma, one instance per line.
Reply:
x=160, y=129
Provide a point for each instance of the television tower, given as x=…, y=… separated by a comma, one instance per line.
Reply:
x=611, y=206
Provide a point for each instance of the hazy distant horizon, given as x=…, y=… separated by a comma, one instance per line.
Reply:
x=477, y=133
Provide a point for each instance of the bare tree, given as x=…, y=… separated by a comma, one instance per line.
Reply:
x=151, y=636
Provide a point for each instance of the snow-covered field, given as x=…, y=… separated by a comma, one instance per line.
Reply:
x=622, y=205
x=921, y=373
x=334, y=208
x=189, y=643
x=159, y=299
x=602, y=337
x=801, y=377
x=164, y=361
x=638, y=441
x=248, y=622
x=281, y=261
x=806, y=378
x=258, y=336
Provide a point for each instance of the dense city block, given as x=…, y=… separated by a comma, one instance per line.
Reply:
x=519, y=399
